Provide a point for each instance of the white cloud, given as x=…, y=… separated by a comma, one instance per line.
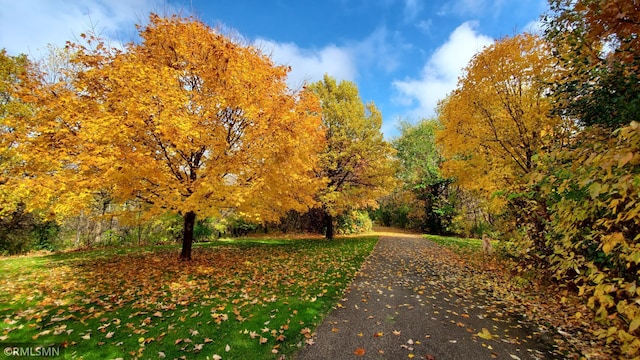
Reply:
x=440, y=74
x=380, y=51
x=310, y=65
x=28, y=26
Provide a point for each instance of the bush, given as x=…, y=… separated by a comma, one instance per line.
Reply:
x=594, y=190
x=21, y=232
x=354, y=222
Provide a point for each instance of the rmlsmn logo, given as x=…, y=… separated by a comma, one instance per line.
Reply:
x=32, y=351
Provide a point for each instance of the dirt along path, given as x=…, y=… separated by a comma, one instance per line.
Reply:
x=403, y=305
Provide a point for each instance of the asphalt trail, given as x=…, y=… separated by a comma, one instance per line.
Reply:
x=403, y=305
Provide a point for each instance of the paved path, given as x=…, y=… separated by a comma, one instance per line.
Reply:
x=400, y=307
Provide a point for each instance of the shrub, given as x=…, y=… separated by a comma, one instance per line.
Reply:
x=594, y=190
x=354, y=222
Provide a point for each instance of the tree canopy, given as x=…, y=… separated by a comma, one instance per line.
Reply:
x=597, y=45
x=11, y=69
x=499, y=116
x=186, y=120
x=357, y=161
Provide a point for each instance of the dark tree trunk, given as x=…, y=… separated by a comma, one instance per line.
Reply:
x=187, y=237
x=329, y=225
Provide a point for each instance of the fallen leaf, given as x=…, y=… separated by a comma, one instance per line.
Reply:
x=485, y=334
x=359, y=352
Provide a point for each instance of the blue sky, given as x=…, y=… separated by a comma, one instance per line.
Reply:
x=404, y=55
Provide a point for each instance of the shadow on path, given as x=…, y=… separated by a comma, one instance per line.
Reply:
x=402, y=306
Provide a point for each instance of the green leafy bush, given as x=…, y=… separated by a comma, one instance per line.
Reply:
x=354, y=222
x=594, y=192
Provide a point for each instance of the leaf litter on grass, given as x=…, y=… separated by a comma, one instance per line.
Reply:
x=181, y=307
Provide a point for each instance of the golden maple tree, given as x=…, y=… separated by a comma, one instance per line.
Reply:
x=357, y=161
x=499, y=116
x=11, y=69
x=187, y=120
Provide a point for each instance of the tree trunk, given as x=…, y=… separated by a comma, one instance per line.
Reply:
x=329, y=225
x=187, y=237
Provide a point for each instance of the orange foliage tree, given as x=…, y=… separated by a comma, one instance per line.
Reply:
x=11, y=68
x=498, y=119
x=357, y=162
x=597, y=45
x=187, y=120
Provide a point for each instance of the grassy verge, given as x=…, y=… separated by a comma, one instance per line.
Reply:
x=460, y=245
x=254, y=299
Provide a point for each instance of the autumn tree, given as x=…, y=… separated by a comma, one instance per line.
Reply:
x=11, y=68
x=15, y=222
x=357, y=161
x=187, y=121
x=419, y=170
x=596, y=44
x=497, y=120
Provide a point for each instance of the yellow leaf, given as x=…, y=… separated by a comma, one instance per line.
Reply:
x=485, y=334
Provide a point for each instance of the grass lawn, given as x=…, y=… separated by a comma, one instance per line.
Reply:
x=460, y=245
x=242, y=299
